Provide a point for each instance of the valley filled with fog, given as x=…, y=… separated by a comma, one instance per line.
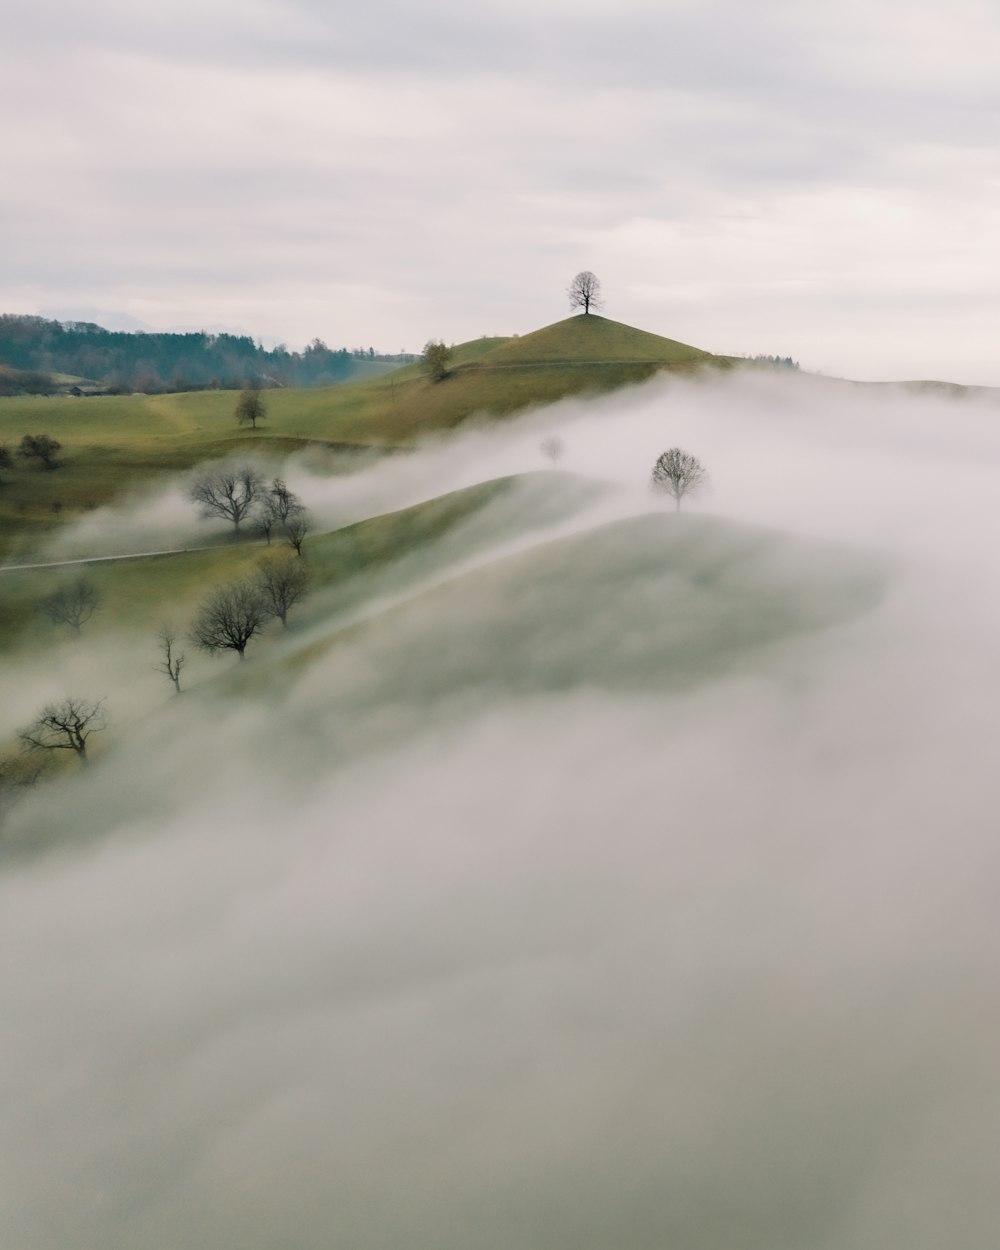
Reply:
x=592, y=875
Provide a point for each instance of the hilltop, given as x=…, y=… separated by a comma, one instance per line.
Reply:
x=593, y=340
x=115, y=443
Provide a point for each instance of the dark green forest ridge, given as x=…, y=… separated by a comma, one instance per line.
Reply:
x=115, y=443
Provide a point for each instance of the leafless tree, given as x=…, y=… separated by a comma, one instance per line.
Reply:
x=39, y=447
x=265, y=520
x=71, y=605
x=282, y=502
x=230, y=616
x=585, y=291
x=65, y=726
x=296, y=528
x=228, y=492
x=435, y=359
x=283, y=581
x=553, y=448
x=677, y=473
x=171, y=660
x=250, y=407
x=6, y=459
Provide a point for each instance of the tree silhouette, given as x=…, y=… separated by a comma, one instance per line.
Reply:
x=677, y=473
x=65, y=726
x=585, y=291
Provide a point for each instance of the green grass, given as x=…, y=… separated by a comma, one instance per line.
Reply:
x=661, y=601
x=589, y=339
x=115, y=443
x=141, y=594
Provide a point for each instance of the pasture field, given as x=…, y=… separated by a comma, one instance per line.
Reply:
x=139, y=595
x=111, y=444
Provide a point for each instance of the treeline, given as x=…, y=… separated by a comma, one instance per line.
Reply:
x=782, y=362
x=32, y=349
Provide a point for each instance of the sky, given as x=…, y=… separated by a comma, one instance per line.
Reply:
x=642, y=896
x=818, y=180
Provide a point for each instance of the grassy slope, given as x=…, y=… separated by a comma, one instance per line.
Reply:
x=141, y=594
x=113, y=442
x=657, y=601
x=592, y=340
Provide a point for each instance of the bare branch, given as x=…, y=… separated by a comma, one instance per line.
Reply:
x=296, y=529
x=585, y=291
x=230, y=616
x=172, y=660
x=677, y=473
x=71, y=605
x=227, y=492
x=65, y=726
x=251, y=408
x=283, y=581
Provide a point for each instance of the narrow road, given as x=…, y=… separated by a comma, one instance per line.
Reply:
x=135, y=555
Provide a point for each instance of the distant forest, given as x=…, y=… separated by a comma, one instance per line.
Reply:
x=32, y=349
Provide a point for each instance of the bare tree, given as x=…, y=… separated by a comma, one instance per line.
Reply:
x=72, y=605
x=250, y=407
x=282, y=502
x=677, y=473
x=6, y=459
x=228, y=492
x=283, y=581
x=585, y=291
x=171, y=660
x=39, y=447
x=277, y=506
x=230, y=616
x=265, y=520
x=65, y=726
x=435, y=359
x=296, y=528
x=553, y=448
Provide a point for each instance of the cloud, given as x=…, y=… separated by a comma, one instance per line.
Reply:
x=332, y=959
x=272, y=166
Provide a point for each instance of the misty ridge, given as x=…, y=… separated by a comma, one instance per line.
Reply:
x=590, y=874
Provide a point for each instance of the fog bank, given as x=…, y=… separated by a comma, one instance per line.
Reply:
x=427, y=940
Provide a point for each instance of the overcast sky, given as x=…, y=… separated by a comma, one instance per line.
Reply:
x=817, y=179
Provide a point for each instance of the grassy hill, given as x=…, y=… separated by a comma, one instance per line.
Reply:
x=113, y=443
x=660, y=601
x=377, y=556
x=593, y=340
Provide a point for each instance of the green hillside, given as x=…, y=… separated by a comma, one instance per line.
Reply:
x=379, y=555
x=657, y=601
x=593, y=340
x=115, y=443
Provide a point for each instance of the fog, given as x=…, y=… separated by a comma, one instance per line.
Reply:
x=627, y=881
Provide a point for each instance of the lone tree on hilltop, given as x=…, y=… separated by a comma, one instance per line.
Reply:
x=65, y=726
x=585, y=291
x=226, y=492
x=677, y=473
x=39, y=447
x=71, y=605
x=230, y=616
x=250, y=407
x=171, y=660
x=435, y=360
x=283, y=581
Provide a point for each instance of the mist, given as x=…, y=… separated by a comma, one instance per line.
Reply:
x=594, y=877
